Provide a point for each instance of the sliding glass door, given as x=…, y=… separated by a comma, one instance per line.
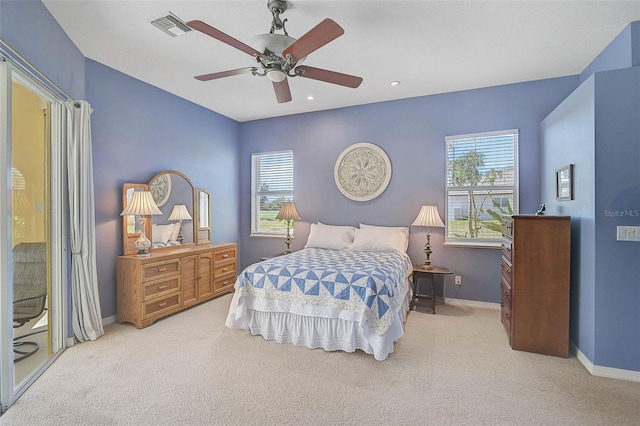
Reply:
x=32, y=231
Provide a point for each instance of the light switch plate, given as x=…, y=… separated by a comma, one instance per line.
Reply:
x=628, y=233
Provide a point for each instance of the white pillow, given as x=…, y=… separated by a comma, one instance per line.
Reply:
x=376, y=239
x=330, y=236
x=161, y=233
x=174, y=232
x=404, y=230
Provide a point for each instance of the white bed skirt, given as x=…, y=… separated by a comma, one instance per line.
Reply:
x=330, y=334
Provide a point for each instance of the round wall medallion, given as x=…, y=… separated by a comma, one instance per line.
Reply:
x=362, y=171
x=161, y=189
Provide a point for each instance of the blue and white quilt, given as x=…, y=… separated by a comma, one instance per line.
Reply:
x=354, y=285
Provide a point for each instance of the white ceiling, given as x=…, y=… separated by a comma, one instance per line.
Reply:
x=429, y=46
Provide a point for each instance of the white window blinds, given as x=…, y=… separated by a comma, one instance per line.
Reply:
x=271, y=185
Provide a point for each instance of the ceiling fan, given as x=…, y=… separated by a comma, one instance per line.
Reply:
x=278, y=55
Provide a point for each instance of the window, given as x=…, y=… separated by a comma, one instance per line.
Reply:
x=482, y=184
x=271, y=185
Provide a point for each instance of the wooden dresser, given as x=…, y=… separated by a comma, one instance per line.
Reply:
x=170, y=280
x=536, y=255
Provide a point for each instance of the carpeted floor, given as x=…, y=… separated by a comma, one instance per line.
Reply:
x=453, y=368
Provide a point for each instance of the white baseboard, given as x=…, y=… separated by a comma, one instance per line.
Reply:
x=109, y=320
x=474, y=304
x=105, y=321
x=600, y=371
x=594, y=370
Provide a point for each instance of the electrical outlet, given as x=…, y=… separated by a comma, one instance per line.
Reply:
x=458, y=280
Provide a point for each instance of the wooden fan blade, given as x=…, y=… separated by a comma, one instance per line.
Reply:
x=283, y=93
x=219, y=35
x=329, y=76
x=213, y=76
x=314, y=39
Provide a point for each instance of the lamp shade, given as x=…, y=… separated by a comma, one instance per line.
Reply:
x=288, y=211
x=429, y=217
x=180, y=212
x=141, y=204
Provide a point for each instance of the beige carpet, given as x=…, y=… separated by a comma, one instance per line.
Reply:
x=451, y=368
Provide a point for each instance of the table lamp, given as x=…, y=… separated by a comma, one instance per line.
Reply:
x=289, y=213
x=429, y=217
x=141, y=204
x=180, y=213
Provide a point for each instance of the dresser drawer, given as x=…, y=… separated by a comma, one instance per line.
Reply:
x=223, y=284
x=225, y=269
x=505, y=294
x=152, y=271
x=507, y=247
x=507, y=226
x=161, y=287
x=506, y=320
x=162, y=305
x=224, y=255
x=506, y=271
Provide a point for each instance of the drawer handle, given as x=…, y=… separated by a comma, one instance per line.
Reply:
x=163, y=304
x=162, y=287
x=162, y=269
x=506, y=294
x=225, y=282
x=225, y=256
x=225, y=269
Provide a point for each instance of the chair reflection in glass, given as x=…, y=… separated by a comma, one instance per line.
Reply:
x=29, y=292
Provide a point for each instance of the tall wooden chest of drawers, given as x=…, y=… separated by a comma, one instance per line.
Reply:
x=536, y=255
x=172, y=279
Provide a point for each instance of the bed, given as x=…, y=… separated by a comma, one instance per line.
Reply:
x=348, y=289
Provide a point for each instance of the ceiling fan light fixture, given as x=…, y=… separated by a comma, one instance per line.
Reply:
x=276, y=75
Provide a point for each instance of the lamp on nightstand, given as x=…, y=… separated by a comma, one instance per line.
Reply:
x=430, y=218
x=141, y=204
x=180, y=213
x=289, y=213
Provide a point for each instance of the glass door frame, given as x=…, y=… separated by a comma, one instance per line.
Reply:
x=60, y=124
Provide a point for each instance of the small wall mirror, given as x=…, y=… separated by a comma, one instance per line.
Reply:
x=185, y=213
x=204, y=229
x=130, y=223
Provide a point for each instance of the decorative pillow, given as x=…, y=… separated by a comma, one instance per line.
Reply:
x=404, y=230
x=174, y=232
x=330, y=236
x=377, y=239
x=161, y=233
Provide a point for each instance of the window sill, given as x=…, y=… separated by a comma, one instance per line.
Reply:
x=269, y=236
x=495, y=245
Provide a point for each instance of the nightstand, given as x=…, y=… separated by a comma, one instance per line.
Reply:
x=420, y=271
x=271, y=257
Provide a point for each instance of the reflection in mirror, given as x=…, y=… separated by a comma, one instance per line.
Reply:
x=130, y=231
x=203, y=227
x=170, y=189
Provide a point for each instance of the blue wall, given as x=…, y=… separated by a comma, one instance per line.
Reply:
x=568, y=138
x=138, y=131
x=597, y=128
x=30, y=29
x=411, y=132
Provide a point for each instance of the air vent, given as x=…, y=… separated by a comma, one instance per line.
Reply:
x=170, y=24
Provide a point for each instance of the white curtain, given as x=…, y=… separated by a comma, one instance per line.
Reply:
x=87, y=318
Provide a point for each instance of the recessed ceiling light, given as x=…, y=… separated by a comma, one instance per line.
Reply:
x=310, y=98
x=394, y=83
